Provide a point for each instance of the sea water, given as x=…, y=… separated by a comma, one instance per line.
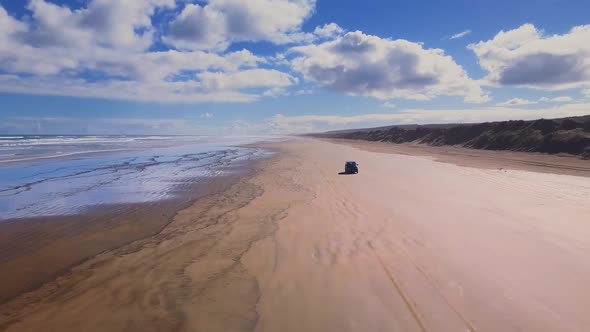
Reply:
x=64, y=175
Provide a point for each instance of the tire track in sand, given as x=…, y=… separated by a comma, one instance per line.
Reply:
x=353, y=210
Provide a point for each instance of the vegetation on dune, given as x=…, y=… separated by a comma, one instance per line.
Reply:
x=567, y=135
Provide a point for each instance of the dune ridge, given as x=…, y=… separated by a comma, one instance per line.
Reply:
x=567, y=135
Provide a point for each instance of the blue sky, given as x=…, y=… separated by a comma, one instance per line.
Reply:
x=262, y=66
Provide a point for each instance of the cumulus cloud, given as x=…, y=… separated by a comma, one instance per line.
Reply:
x=159, y=76
x=103, y=50
x=111, y=49
x=198, y=27
x=112, y=23
x=251, y=78
x=330, y=30
x=219, y=22
x=159, y=91
x=275, y=92
x=526, y=57
x=365, y=65
x=460, y=34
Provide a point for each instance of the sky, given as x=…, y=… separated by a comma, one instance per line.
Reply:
x=287, y=66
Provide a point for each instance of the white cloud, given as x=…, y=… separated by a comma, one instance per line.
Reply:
x=104, y=49
x=9, y=25
x=302, y=92
x=460, y=34
x=526, y=57
x=388, y=104
x=219, y=22
x=365, y=65
x=56, y=49
x=110, y=23
x=586, y=93
x=516, y=102
x=198, y=28
x=561, y=99
x=311, y=123
x=331, y=30
x=252, y=78
x=159, y=91
x=275, y=92
x=206, y=115
x=521, y=102
x=144, y=76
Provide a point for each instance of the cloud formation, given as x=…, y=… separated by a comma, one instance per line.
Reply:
x=388, y=104
x=516, y=102
x=522, y=102
x=181, y=51
x=330, y=30
x=103, y=50
x=365, y=65
x=219, y=22
x=561, y=99
x=526, y=57
x=460, y=34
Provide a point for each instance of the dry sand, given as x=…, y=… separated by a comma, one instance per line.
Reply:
x=409, y=244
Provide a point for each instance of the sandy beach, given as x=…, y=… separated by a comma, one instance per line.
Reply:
x=422, y=239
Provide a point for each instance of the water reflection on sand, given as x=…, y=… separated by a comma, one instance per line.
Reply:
x=146, y=173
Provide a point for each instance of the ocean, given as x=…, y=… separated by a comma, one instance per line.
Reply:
x=65, y=175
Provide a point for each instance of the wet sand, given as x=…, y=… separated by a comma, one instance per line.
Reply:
x=409, y=244
x=36, y=250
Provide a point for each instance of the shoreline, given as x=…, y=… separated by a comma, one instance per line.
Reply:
x=37, y=250
x=202, y=233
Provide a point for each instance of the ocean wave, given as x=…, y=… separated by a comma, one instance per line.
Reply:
x=57, y=154
x=44, y=140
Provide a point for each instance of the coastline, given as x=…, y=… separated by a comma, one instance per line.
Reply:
x=297, y=247
x=36, y=250
x=203, y=243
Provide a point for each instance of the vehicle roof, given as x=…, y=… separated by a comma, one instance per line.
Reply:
x=350, y=161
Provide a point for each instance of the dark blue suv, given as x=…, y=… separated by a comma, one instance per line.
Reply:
x=351, y=167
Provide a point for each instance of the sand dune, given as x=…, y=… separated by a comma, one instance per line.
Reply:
x=567, y=135
x=409, y=244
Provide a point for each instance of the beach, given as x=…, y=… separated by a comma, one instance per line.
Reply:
x=422, y=239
